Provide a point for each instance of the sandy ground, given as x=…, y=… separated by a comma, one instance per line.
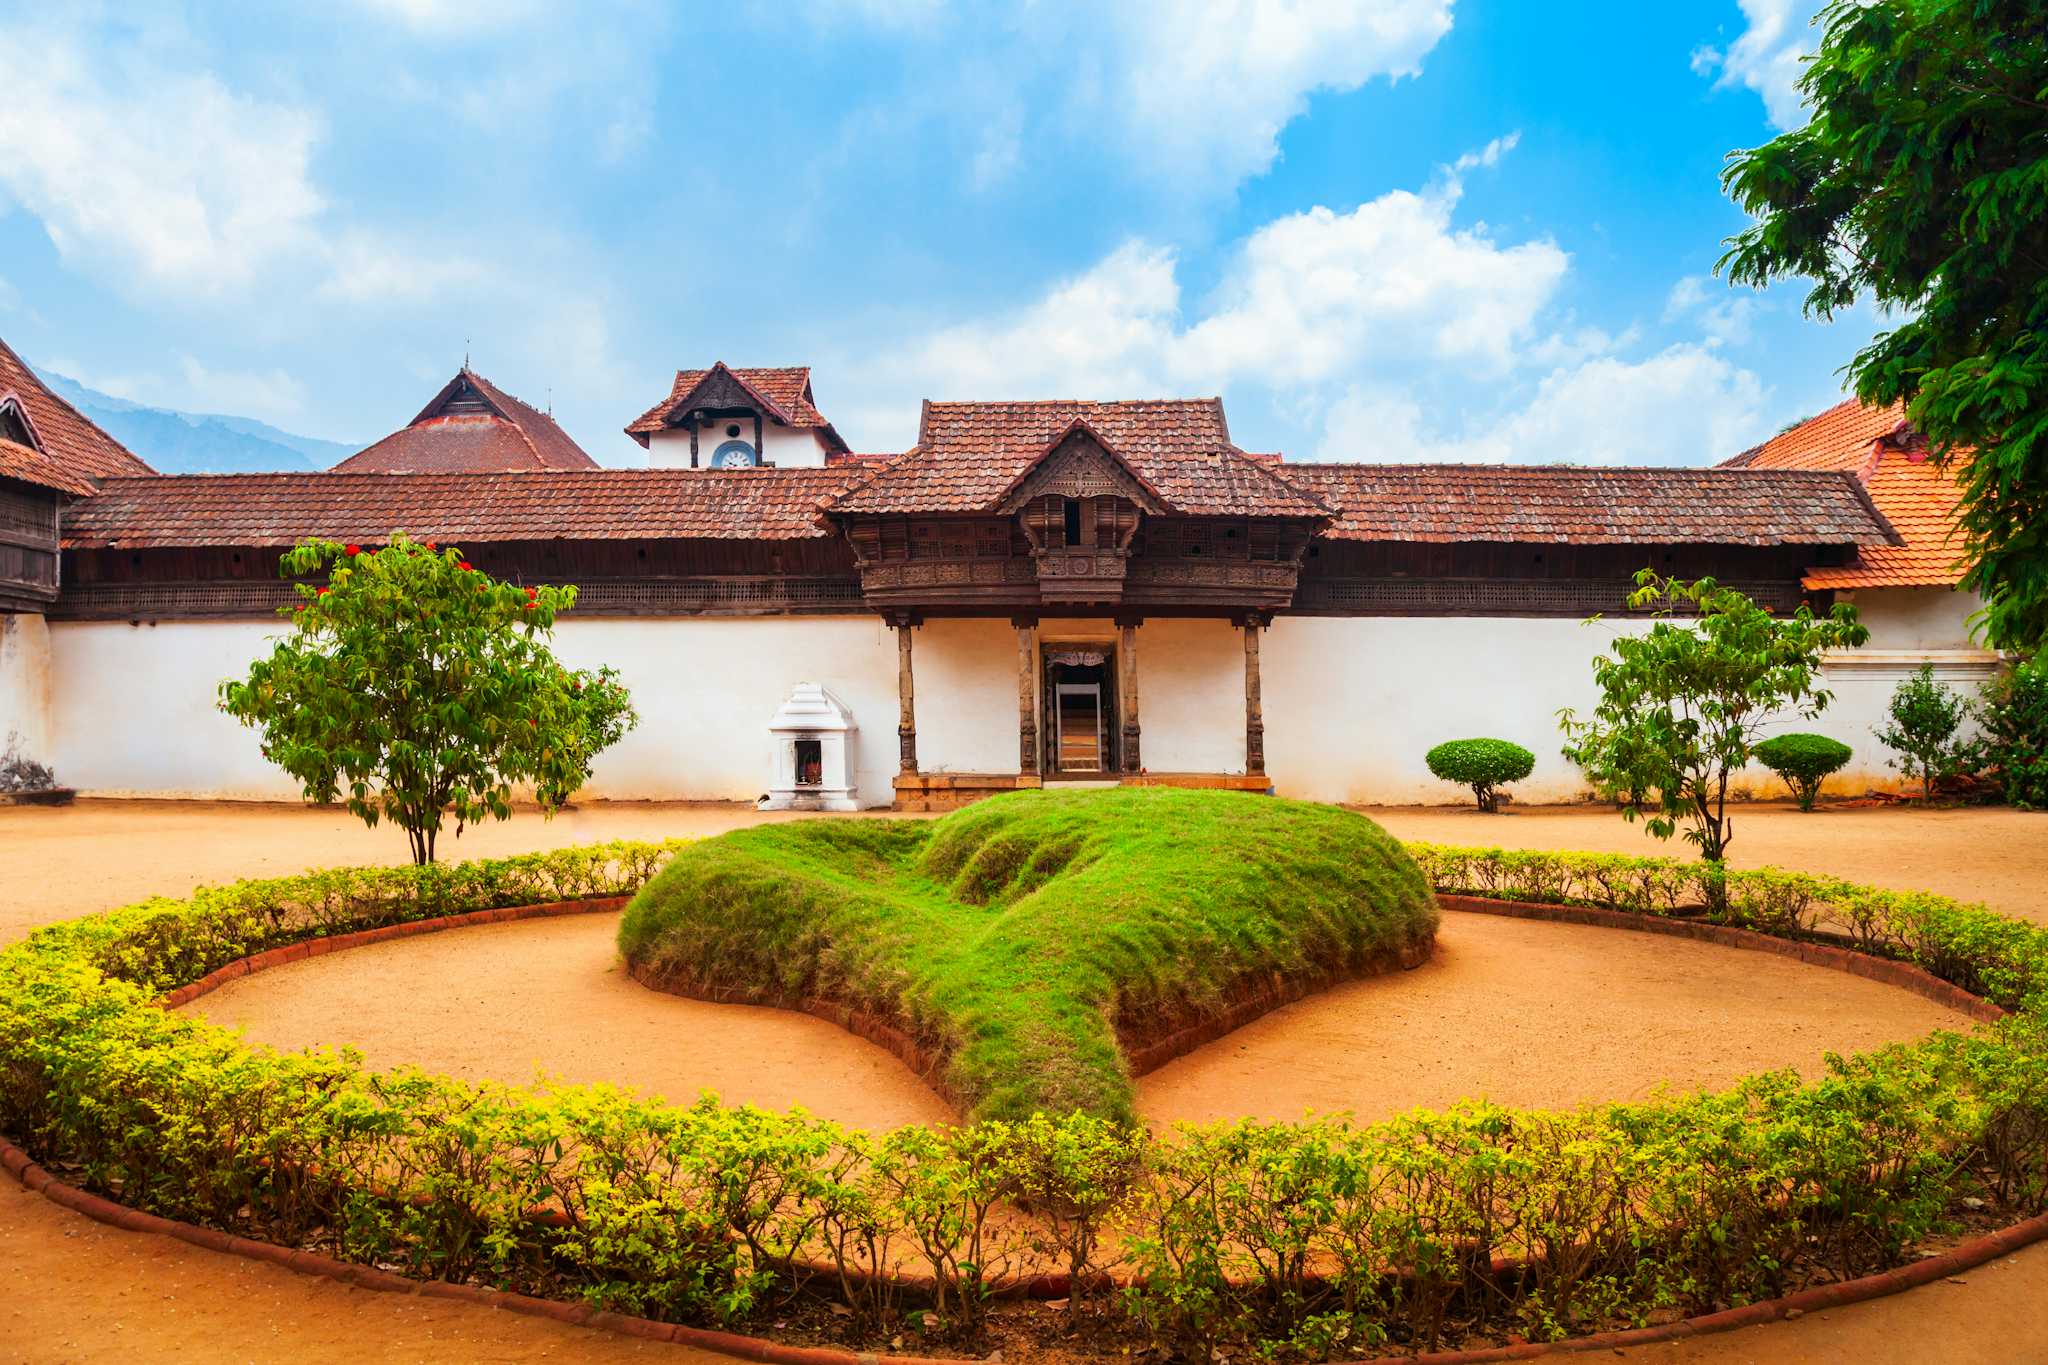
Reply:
x=1520, y=1012
x=509, y=1001
x=76, y=1291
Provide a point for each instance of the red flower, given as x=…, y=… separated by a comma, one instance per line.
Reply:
x=465, y=566
x=531, y=605
x=354, y=550
x=533, y=592
x=300, y=607
x=432, y=546
x=321, y=593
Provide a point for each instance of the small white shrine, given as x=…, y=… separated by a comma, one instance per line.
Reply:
x=813, y=738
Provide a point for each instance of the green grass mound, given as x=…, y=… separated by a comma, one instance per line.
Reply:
x=1017, y=939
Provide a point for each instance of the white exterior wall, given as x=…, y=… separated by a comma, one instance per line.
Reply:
x=25, y=687
x=965, y=672
x=1191, y=696
x=1353, y=703
x=780, y=446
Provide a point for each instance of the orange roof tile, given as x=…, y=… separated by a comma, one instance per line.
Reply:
x=785, y=391
x=27, y=465
x=1887, y=455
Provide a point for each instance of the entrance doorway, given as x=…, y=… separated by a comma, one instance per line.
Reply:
x=1080, y=712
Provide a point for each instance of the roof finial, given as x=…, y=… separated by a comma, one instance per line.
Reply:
x=465, y=353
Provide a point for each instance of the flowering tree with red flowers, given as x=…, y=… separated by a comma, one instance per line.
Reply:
x=415, y=687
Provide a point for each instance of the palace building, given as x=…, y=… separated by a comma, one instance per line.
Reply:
x=1033, y=593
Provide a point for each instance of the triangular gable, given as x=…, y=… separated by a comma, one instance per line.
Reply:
x=463, y=383
x=722, y=387
x=1079, y=463
x=16, y=425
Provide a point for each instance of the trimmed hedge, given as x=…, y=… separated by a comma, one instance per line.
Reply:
x=1303, y=1240
x=1804, y=761
x=1484, y=765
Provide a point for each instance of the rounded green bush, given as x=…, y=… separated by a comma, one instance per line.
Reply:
x=1484, y=765
x=1024, y=940
x=1804, y=761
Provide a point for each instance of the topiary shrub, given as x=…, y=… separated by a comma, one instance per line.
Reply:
x=1484, y=765
x=1804, y=761
x=1025, y=940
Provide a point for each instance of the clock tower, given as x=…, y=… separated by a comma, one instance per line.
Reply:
x=736, y=419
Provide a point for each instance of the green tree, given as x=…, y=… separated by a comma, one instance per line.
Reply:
x=415, y=687
x=1682, y=705
x=2014, y=714
x=1922, y=183
x=1925, y=731
x=1484, y=765
x=1804, y=762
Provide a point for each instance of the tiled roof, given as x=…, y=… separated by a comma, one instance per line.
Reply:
x=968, y=455
x=1836, y=439
x=32, y=466
x=599, y=504
x=512, y=436
x=1916, y=496
x=785, y=391
x=66, y=437
x=1592, y=506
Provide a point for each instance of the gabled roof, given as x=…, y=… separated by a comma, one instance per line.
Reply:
x=783, y=395
x=471, y=426
x=1881, y=448
x=62, y=433
x=29, y=465
x=969, y=455
x=1573, y=505
x=595, y=504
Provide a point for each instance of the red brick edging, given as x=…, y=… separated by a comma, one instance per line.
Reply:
x=1967, y=1256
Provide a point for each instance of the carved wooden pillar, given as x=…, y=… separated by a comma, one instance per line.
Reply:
x=1254, y=709
x=1027, y=694
x=906, y=697
x=1127, y=680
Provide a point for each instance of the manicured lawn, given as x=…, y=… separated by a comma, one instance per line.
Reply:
x=1012, y=938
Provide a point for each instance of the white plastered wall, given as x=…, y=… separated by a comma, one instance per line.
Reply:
x=25, y=690
x=783, y=447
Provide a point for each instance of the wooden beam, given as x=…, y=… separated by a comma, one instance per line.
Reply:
x=906, y=698
x=1254, y=707
x=1127, y=684
x=1027, y=694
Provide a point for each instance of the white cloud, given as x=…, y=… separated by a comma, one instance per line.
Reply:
x=1768, y=57
x=167, y=178
x=1724, y=315
x=1307, y=298
x=1686, y=405
x=1206, y=87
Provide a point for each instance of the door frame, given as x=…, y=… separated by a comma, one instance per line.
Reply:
x=1108, y=714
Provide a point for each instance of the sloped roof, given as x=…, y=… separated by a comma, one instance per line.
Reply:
x=1881, y=448
x=968, y=455
x=784, y=393
x=29, y=465
x=64, y=435
x=598, y=504
x=507, y=435
x=1574, y=505
x=1838, y=438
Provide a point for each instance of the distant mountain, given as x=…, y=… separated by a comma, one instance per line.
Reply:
x=173, y=442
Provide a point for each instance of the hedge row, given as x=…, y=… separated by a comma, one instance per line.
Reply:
x=1301, y=1240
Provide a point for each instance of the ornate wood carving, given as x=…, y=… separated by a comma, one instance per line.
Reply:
x=29, y=566
x=1078, y=469
x=1254, y=708
x=1027, y=694
x=906, y=697
x=1127, y=680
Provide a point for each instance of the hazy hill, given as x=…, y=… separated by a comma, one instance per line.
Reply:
x=174, y=442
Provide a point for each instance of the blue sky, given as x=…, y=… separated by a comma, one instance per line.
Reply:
x=1383, y=230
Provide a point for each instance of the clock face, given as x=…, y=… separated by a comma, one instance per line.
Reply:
x=733, y=455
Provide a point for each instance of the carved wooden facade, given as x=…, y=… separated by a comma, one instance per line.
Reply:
x=29, y=564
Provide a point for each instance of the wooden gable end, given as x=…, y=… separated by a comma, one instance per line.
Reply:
x=1079, y=467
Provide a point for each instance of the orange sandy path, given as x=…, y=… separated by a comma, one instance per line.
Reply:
x=76, y=1291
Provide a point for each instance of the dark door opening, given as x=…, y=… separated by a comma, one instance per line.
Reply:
x=1080, y=713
